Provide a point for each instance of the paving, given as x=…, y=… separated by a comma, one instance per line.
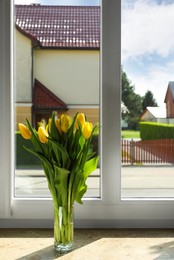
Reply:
x=136, y=182
x=148, y=181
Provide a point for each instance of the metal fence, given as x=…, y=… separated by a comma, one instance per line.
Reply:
x=148, y=152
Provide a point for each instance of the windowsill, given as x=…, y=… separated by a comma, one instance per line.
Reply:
x=89, y=243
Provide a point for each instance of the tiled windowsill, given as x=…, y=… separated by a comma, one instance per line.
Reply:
x=90, y=244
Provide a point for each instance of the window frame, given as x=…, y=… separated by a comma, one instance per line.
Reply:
x=108, y=211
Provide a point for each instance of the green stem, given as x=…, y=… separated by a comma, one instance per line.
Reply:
x=63, y=224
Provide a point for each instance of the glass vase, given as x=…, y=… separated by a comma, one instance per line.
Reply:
x=63, y=228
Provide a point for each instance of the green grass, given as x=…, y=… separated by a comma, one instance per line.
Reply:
x=130, y=134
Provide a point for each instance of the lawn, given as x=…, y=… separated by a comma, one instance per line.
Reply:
x=130, y=134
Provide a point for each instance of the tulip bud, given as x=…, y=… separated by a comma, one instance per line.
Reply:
x=25, y=132
x=79, y=119
x=43, y=134
x=57, y=123
x=64, y=122
x=87, y=130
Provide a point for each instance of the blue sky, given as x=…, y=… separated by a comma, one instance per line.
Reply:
x=147, y=42
x=59, y=2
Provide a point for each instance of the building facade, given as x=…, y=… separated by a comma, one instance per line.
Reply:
x=59, y=47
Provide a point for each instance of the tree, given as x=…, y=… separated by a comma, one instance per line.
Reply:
x=148, y=100
x=132, y=101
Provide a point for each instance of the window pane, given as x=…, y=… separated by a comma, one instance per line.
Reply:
x=57, y=56
x=147, y=95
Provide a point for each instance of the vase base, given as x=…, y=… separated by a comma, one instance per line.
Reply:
x=63, y=248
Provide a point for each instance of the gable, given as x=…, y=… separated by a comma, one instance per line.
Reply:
x=153, y=112
x=43, y=98
x=146, y=115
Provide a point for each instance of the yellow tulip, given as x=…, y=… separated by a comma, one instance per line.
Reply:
x=49, y=124
x=25, y=132
x=43, y=134
x=79, y=119
x=64, y=122
x=47, y=128
x=87, y=129
x=42, y=123
x=57, y=122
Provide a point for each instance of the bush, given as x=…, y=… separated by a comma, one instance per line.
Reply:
x=155, y=131
x=95, y=143
x=25, y=159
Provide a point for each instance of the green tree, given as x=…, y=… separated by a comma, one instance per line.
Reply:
x=132, y=101
x=148, y=100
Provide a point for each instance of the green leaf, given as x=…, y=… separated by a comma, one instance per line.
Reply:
x=36, y=153
x=80, y=194
x=81, y=145
x=54, y=133
x=90, y=166
x=48, y=170
x=79, y=186
x=61, y=184
x=63, y=155
x=34, y=139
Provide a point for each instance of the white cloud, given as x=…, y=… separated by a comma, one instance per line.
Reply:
x=147, y=28
x=156, y=79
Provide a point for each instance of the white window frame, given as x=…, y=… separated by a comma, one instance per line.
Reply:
x=110, y=210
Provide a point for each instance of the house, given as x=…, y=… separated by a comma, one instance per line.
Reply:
x=162, y=114
x=169, y=100
x=154, y=114
x=57, y=58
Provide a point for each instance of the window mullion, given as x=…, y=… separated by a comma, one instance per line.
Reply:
x=110, y=80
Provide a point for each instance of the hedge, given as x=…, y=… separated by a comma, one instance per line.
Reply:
x=155, y=131
x=25, y=159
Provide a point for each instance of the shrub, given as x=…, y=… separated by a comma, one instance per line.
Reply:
x=155, y=131
x=24, y=159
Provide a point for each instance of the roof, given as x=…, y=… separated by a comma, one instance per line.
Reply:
x=157, y=112
x=171, y=88
x=45, y=99
x=60, y=26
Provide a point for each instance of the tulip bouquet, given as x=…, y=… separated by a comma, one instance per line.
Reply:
x=64, y=148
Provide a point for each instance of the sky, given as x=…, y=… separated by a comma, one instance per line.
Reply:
x=148, y=45
x=147, y=42
x=59, y=2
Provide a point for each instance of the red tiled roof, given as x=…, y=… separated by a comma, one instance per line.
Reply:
x=45, y=99
x=61, y=26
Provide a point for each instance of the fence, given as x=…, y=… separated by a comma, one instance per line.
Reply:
x=148, y=152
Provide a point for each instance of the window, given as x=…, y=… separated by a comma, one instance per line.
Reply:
x=60, y=75
x=110, y=210
x=147, y=58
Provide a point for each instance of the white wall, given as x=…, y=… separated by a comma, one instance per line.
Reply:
x=23, y=67
x=72, y=75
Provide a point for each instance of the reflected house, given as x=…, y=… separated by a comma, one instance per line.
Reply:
x=45, y=101
x=163, y=114
x=57, y=60
x=154, y=114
